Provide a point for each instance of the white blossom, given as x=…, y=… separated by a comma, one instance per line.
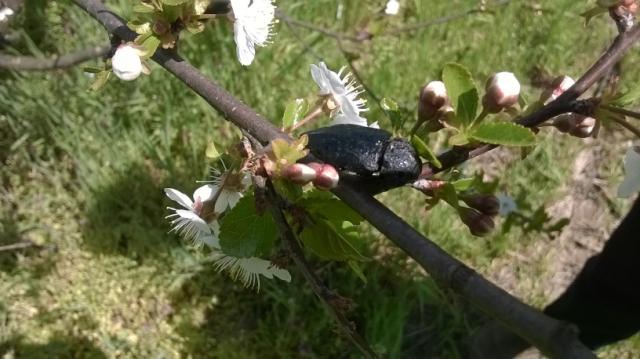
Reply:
x=188, y=221
x=126, y=63
x=392, y=8
x=190, y=224
x=252, y=27
x=249, y=270
x=343, y=95
x=631, y=183
x=5, y=14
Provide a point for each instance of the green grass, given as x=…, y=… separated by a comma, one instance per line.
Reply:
x=84, y=172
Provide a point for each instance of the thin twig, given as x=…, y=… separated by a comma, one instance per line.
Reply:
x=334, y=34
x=328, y=297
x=626, y=125
x=622, y=111
x=29, y=63
x=442, y=20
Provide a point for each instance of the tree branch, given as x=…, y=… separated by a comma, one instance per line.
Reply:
x=28, y=63
x=328, y=297
x=553, y=337
x=564, y=103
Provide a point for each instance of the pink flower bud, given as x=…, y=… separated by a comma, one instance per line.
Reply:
x=502, y=90
x=479, y=224
x=485, y=203
x=299, y=173
x=316, y=166
x=584, y=126
x=126, y=63
x=559, y=85
x=575, y=124
x=432, y=97
x=327, y=178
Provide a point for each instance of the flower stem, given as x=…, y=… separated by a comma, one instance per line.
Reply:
x=621, y=111
x=479, y=119
x=416, y=127
x=310, y=117
x=626, y=125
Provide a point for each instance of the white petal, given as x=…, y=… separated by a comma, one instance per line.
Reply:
x=245, y=49
x=205, y=193
x=318, y=75
x=342, y=119
x=631, y=183
x=195, y=220
x=179, y=197
x=227, y=199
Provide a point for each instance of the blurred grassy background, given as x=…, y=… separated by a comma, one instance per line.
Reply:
x=82, y=175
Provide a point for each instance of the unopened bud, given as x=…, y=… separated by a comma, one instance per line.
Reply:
x=5, y=13
x=432, y=97
x=161, y=27
x=584, y=126
x=575, y=124
x=327, y=178
x=485, y=203
x=558, y=86
x=126, y=63
x=479, y=224
x=502, y=90
x=299, y=173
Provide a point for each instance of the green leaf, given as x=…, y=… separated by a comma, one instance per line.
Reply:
x=143, y=8
x=294, y=112
x=329, y=242
x=244, y=233
x=462, y=92
x=627, y=98
x=212, y=151
x=289, y=152
x=148, y=43
x=288, y=189
x=424, y=151
x=140, y=27
x=463, y=184
x=459, y=139
x=448, y=194
x=100, y=79
x=503, y=133
x=323, y=204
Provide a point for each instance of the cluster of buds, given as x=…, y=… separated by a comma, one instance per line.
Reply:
x=575, y=124
x=502, y=90
x=126, y=62
x=323, y=176
x=558, y=86
x=433, y=105
x=479, y=215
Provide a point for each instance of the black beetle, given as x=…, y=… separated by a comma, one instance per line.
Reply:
x=366, y=156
